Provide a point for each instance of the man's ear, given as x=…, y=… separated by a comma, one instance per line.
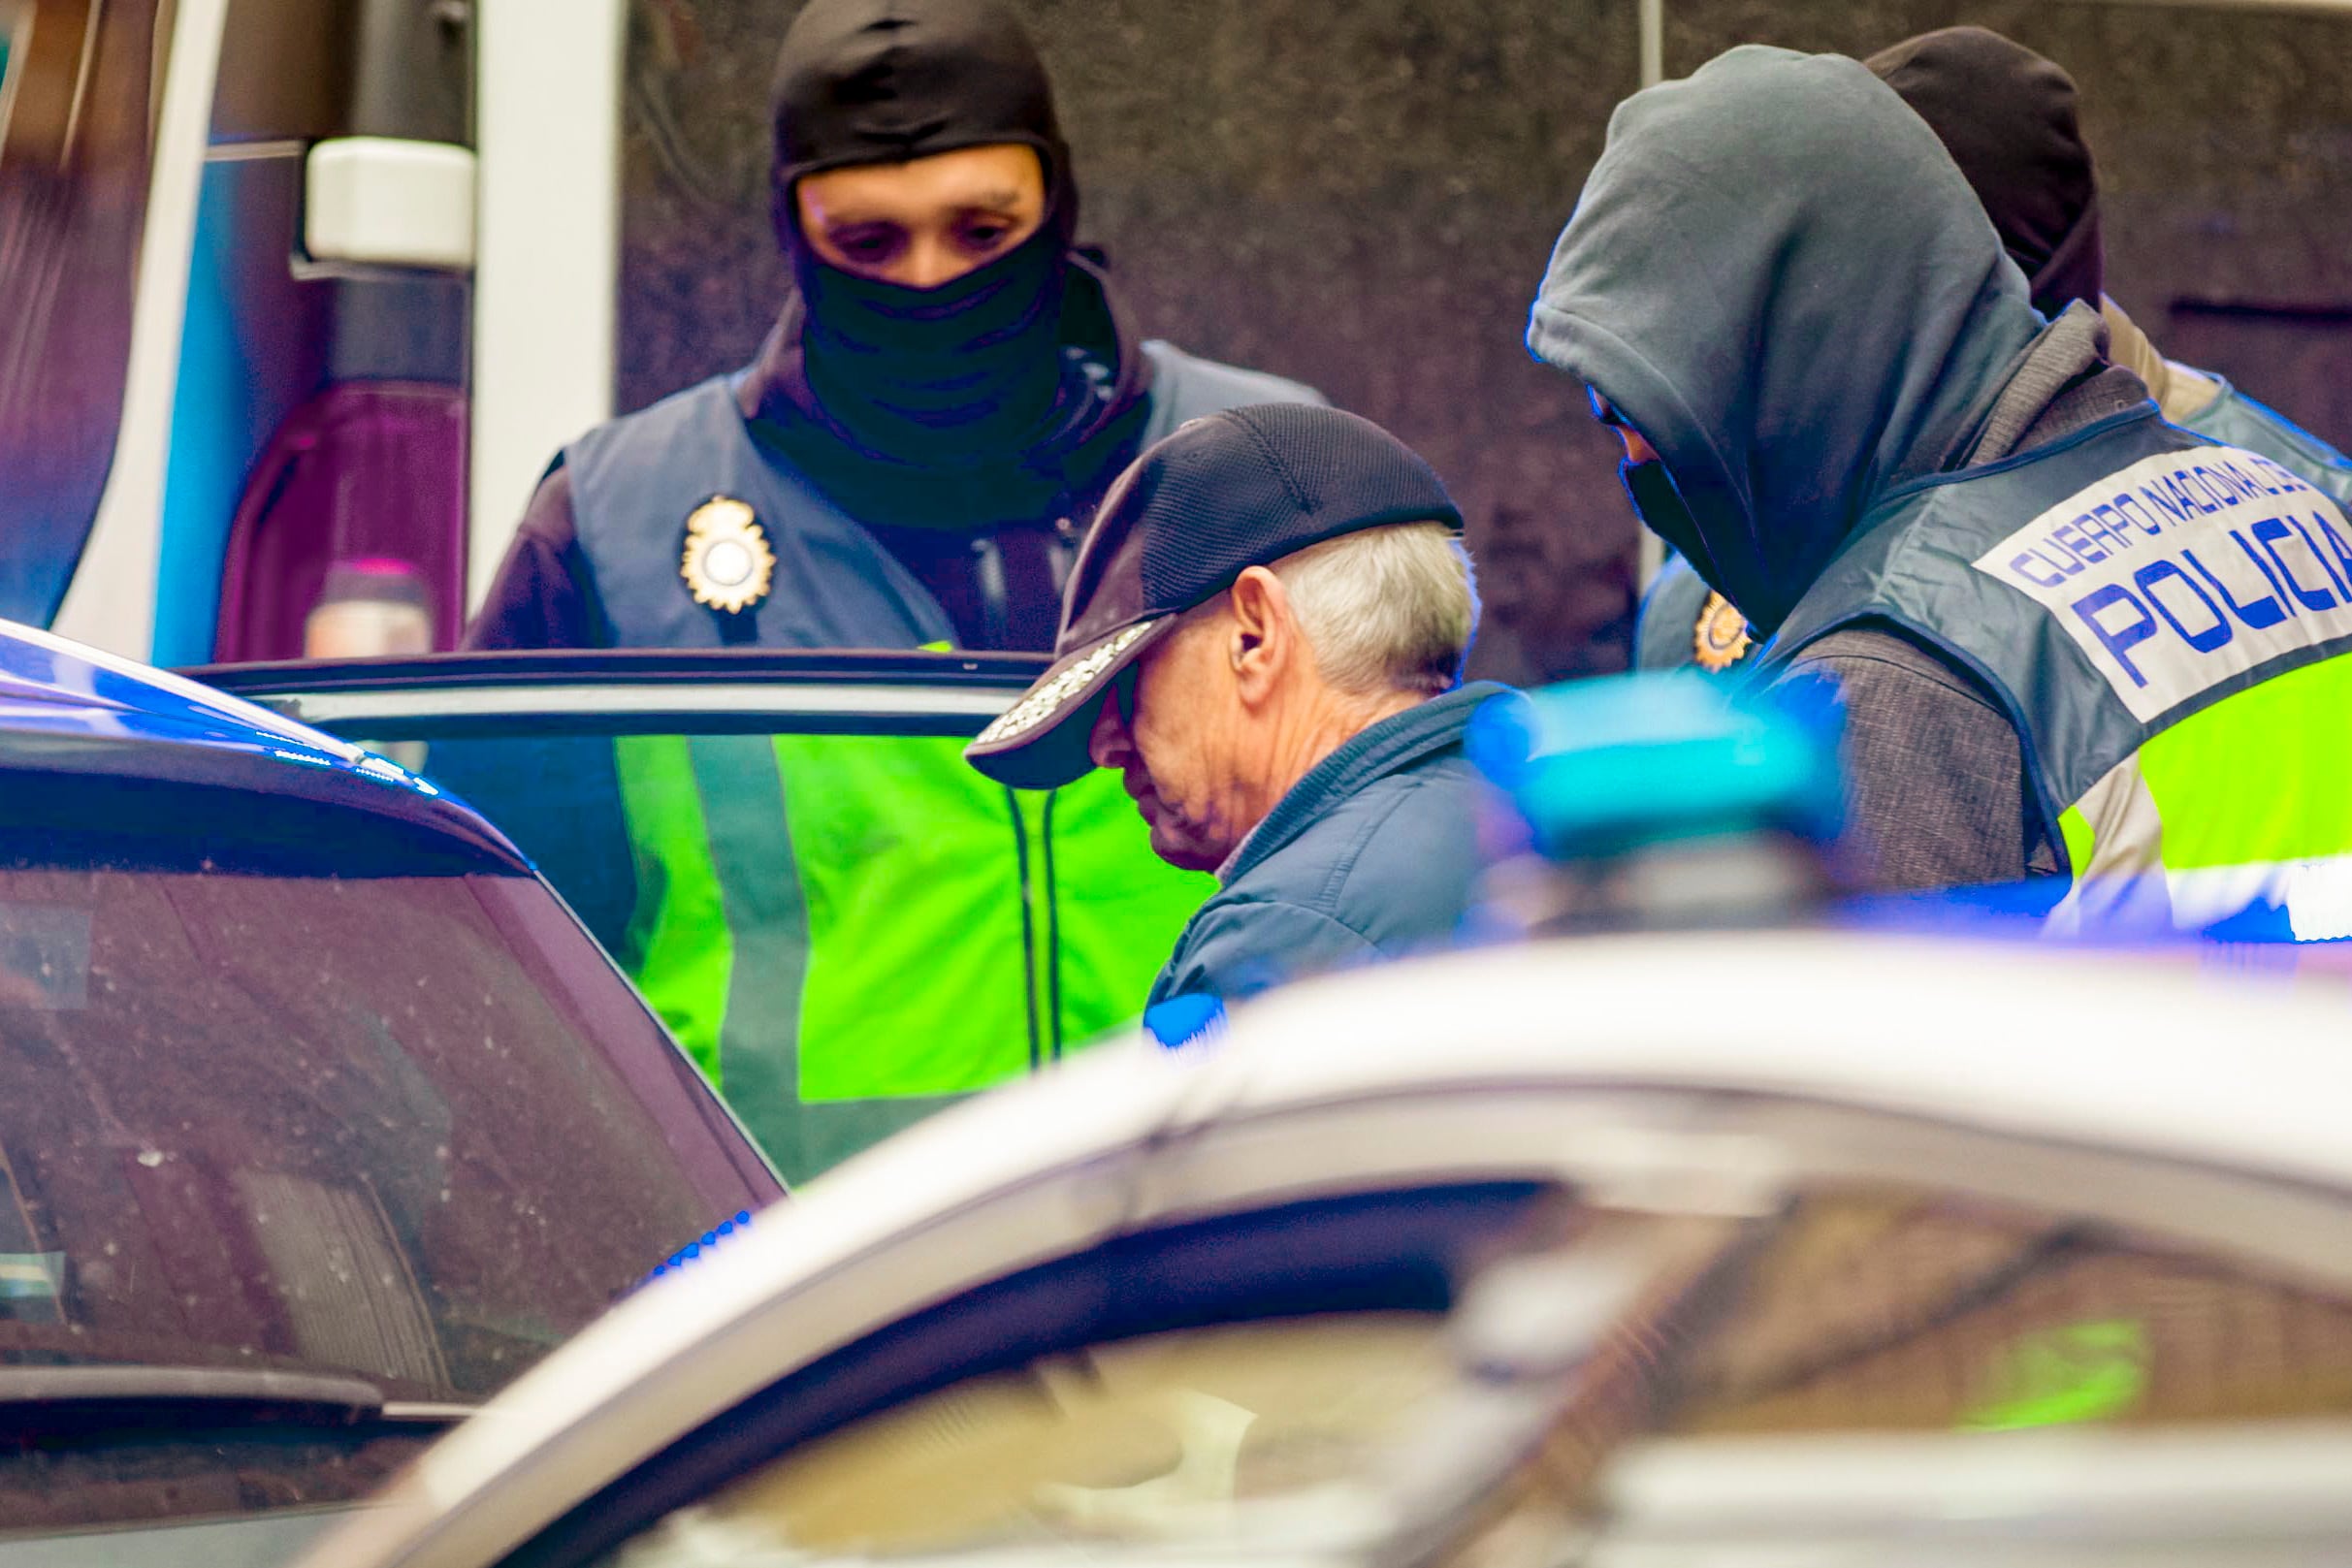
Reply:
x=1264, y=638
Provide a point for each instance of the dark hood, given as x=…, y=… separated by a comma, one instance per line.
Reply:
x=2006, y=116
x=1779, y=278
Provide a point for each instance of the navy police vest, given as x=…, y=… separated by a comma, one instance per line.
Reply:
x=2160, y=617
x=635, y=480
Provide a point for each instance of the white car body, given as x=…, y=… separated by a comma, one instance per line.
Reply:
x=1702, y=1074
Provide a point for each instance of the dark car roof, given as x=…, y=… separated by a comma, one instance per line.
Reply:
x=86, y=730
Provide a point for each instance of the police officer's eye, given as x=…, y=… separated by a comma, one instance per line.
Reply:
x=869, y=244
x=982, y=234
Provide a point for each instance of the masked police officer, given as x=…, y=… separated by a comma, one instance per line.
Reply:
x=910, y=463
x=2070, y=636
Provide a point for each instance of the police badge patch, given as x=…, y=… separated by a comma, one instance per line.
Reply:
x=727, y=563
x=1720, y=638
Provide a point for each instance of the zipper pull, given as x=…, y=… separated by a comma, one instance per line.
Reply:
x=1062, y=554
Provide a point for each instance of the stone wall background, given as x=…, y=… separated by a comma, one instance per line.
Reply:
x=1362, y=195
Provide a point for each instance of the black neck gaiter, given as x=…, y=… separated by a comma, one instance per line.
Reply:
x=964, y=375
x=981, y=447
x=1658, y=502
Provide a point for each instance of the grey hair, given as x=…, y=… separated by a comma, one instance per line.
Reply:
x=1386, y=609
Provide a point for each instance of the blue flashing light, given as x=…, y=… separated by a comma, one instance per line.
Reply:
x=1610, y=766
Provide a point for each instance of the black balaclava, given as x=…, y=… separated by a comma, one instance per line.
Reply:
x=2006, y=116
x=935, y=388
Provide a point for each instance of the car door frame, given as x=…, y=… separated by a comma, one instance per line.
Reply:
x=636, y=691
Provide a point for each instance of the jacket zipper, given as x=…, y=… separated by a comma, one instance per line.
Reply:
x=1046, y=1020
x=1061, y=553
x=1020, y=856
x=1054, y=934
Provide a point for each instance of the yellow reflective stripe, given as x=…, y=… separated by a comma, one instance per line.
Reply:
x=2116, y=829
x=2244, y=800
x=2262, y=777
x=1034, y=820
x=678, y=948
x=2114, y=845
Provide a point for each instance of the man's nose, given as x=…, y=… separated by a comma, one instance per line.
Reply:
x=930, y=262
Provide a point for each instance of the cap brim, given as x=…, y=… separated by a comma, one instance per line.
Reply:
x=1040, y=742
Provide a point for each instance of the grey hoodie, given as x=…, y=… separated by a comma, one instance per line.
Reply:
x=1778, y=276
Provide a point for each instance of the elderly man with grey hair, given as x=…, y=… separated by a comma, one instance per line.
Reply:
x=1264, y=633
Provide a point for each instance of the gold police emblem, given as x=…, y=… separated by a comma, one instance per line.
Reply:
x=727, y=562
x=1721, y=639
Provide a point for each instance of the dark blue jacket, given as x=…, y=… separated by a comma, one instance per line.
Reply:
x=1371, y=855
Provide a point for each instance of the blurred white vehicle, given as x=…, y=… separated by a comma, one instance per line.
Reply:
x=1785, y=1249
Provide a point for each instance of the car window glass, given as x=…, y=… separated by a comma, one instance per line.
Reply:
x=407, y=1129
x=1911, y=1317
x=847, y=932
x=1891, y=1312
x=1146, y=1389
x=1130, y=1441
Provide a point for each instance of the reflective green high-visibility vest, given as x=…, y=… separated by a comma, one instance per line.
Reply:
x=850, y=932
x=2163, y=620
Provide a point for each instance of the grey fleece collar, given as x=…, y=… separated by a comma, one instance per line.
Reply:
x=2065, y=350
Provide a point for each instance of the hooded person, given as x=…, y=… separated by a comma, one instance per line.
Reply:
x=2008, y=116
x=909, y=463
x=2069, y=637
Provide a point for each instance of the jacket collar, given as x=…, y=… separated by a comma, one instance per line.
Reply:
x=2180, y=392
x=1391, y=745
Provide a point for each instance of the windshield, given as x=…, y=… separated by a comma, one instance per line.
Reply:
x=1157, y=1437
x=410, y=1129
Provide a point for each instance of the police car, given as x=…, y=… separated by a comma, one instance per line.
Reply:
x=321, y=1120
x=1798, y=1247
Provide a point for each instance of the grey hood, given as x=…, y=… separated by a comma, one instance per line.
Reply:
x=1779, y=278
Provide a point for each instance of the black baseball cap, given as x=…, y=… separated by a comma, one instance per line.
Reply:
x=1238, y=489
